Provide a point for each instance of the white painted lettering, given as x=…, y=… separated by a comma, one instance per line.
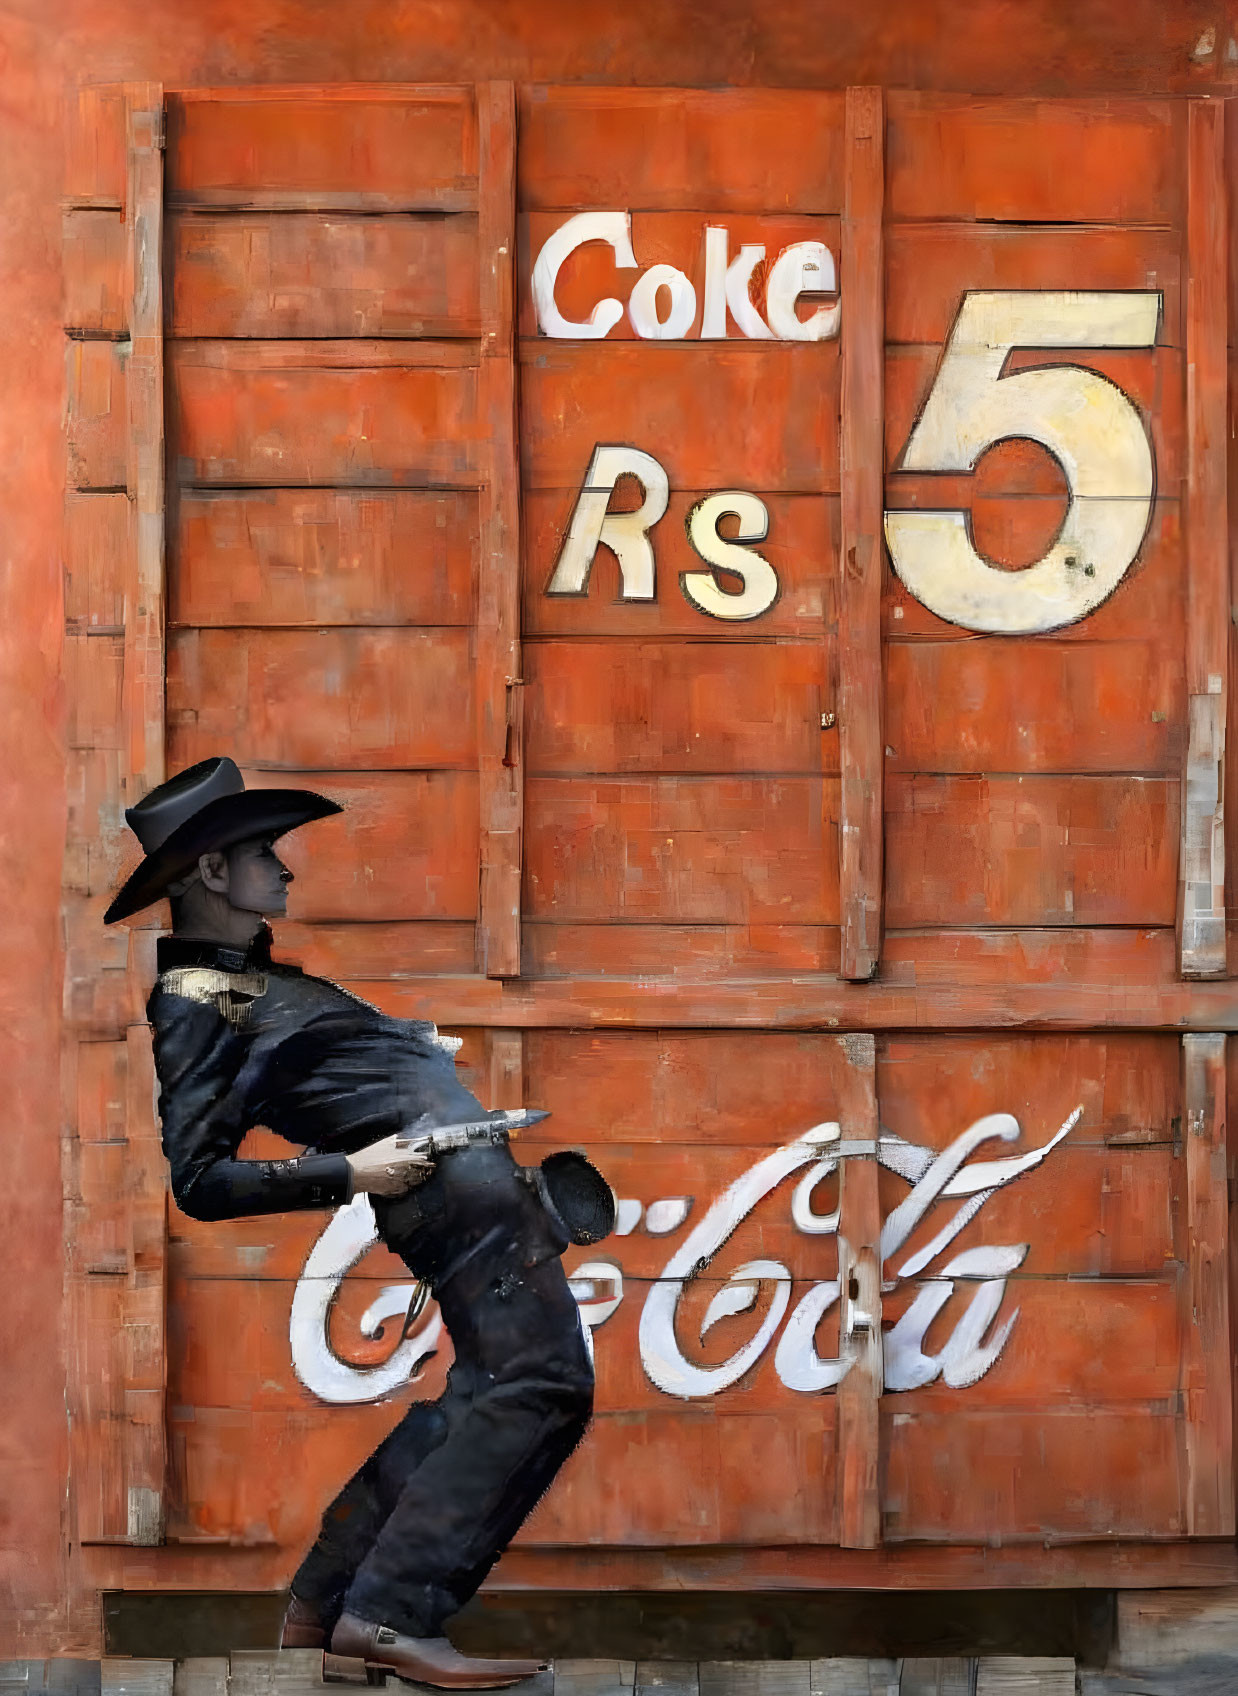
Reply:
x=759, y=578
x=626, y=534
x=612, y=227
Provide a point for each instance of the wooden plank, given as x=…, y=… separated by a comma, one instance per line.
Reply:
x=93, y=249
x=1129, y=1086
x=289, y=699
x=115, y=1184
x=801, y=547
x=405, y=150
x=590, y=274
x=690, y=952
x=1077, y=1344
x=96, y=167
x=1025, y=1675
x=505, y=1068
x=98, y=540
x=1030, y=850
x=1053, y=1472
x=323, y=556
x=860, y=1316
x=322, y=274
x=95, y=421
x=1206, y=1387
x=499, y=680
x=716, y=1088
x=969, y=980
x=233, y=423
x=930, y=267
x=861, y=707
x=144, y=648
x=1153, y=380
x=403, y=849
x=1099, y=1213
x=1015, y=530
x=1112, y=161
x=360, y=950
x=672, y=706
x=757, y=415
x=658, y=149
x=1112, y=1562
x=1001, y=705
x=708, y=849
x=1156, y=1628
x=1201, y=923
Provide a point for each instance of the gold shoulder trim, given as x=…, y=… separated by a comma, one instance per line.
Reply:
x=232, y=993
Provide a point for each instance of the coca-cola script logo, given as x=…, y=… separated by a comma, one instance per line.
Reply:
x=975, y=1343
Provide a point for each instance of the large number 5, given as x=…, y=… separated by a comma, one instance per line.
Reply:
x=1083, y=419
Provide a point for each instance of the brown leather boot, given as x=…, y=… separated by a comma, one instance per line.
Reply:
x=424, y=1660
x=304, y=1628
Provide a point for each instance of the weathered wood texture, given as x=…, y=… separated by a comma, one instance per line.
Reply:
x=861, y=716
x=114, y=1177
x=1201, y=875
x=1025, y=782
x=499, y=683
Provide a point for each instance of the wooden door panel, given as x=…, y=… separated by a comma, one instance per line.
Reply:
x=278, y=413
x=929, y=267
x=1055, y=161
x=708, y=849
x=741, y=150
x=998, y=705
x=323, y=274
x=392, y=150
x=343, y=698
x=759, y=415
x=1015, y=850
x=690, y=952
x=325, y=556
x=1072, y=1473
x=610, y=706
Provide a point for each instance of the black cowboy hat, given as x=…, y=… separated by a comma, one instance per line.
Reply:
x=205, y=807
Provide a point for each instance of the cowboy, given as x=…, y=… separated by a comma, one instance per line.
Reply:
x=241, y=1039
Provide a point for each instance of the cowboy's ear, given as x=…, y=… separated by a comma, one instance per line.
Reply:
x=213, y=870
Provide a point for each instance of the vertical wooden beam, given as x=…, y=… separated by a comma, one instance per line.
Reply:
x=115, y=1186
x=505, y=1068
x=144, y=636
x=859, y=1271
x=499, y=684
x=1201, y=875
x=1207, y=1394
x=860, y=715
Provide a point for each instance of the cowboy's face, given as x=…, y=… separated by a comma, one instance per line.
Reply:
x=254, y=878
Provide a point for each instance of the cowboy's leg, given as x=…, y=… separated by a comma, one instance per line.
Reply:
x=354, y=1519
x=462, y=1505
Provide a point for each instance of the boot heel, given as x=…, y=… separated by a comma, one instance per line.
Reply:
x=350, y=1669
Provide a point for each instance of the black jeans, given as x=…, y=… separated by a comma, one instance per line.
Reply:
x=412, y=1535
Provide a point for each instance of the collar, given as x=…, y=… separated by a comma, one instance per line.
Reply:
x=203, y=951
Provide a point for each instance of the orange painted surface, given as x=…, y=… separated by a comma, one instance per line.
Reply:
x=681, y=799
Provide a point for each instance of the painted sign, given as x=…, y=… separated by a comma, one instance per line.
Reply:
x=662, y=305
x=973, y=1346
x=1089, y=425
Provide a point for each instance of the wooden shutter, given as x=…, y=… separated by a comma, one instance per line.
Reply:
x=114, y=1172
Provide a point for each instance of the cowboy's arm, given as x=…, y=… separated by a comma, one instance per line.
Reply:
x=198, y=1060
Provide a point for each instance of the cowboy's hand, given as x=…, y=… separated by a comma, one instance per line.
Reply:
x=389, y=1167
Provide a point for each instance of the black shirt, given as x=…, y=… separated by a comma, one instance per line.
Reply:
x=244, y=1040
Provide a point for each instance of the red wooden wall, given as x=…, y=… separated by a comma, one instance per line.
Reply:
x=1031, y=812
